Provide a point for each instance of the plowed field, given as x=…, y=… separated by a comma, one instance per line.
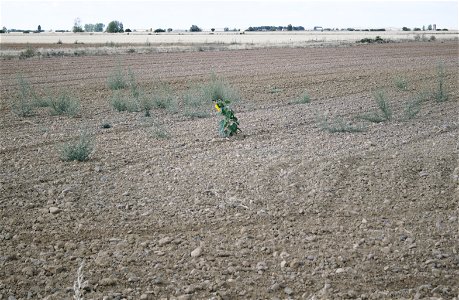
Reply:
x=283, y=210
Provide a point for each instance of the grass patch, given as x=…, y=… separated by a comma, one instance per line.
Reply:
x=117, y=81
x=24, y=106
x=198, y=101
x=79, y=151
x=401, y=83
x=125, y=102
x=412, y=108
x=164, y=99
x=339, y=125
x=304, y=98
x=27, y=53
x=195, y=105
x=275, y=90
x=385, y=112
x=440, y=95
x=63, y=104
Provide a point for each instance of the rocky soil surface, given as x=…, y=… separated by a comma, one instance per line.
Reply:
x=284, y=210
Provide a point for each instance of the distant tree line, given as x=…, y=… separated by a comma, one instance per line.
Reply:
x=98, y=27
x=275, y=28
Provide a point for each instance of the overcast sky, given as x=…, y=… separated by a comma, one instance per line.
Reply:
x=20, y=14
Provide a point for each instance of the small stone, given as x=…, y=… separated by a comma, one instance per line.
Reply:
x=423, y=173
x=295, y=263
x=283, y=264
x=196, y=252
x=164, y=241
x=54, y=210
x=288, y=291
x=364, y=221
x=108, y=281
x=184, y=297
x=339, y=270
x=28, y=271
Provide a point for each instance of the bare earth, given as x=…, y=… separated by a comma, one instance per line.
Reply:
x=283, y=210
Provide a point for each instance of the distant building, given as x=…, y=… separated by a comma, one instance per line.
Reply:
x=434, y=27
x=317, y=28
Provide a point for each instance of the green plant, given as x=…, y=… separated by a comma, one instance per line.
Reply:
x=304, y=98
x=412, y=108
x=229, y=125
x=385, y=112
x=440, y=94
x=116, y=80
x=122, y=102
x=79, y=151
x=339, y=125
x=195, y=105
x=275, y=90
x=24, y=107
x=159, y=132
x=401, y=83
x=196, y=101
x=63, y=104
x=163, y=98
x=133, y=85
x=27, y=53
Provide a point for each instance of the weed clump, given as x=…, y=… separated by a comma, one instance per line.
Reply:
x=440, y=95
x=116, y=80
x=304, y=98
x=63, y=104
x=384, y=113
x=79, y=151
x=196, y=101
x=24, y=107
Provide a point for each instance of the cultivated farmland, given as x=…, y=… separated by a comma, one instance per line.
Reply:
x=311, y=200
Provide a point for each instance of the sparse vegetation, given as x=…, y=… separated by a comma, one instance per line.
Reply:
x=24, y=106
x=79, y=151
x=196, y=101
x=401, y=83
x=64, y=104
x=384, y=113
x=412, y=108
x=377, y=39
x=440, y=94
x=116, y=80
x=163, y=99
x=27, y=53
x=125, y=102
x=304, y=98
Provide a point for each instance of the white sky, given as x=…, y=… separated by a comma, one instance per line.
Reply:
x=28, y=14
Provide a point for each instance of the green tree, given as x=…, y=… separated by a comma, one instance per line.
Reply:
x=99, y=27
x=77, y=25
x=406, y=29
x=39, y=28
x=289, y=27
x=115, y=26
x=429, y=27
x=195, y=28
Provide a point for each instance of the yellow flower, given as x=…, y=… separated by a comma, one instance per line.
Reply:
x=218, y=108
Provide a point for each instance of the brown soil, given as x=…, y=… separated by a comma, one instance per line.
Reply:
x=283, y=210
